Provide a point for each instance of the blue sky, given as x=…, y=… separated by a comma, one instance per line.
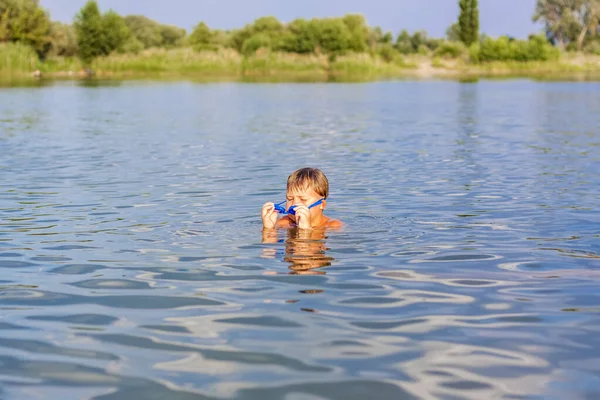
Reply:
x=498, y=17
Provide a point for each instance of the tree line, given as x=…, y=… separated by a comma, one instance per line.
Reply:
x=569, y=24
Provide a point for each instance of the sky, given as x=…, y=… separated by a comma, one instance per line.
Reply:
x=497, y=17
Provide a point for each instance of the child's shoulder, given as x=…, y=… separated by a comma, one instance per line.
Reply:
x=334, y=223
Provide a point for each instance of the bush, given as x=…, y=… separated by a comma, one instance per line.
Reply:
x=423, y=50
x=63, y=40
x=132, y=45
x=593, y=47
x=450, y=50
x=255, y=42
x=387, y=52
x=332, y=35
x=17, y=58
x=536, y=48
x=145, y=30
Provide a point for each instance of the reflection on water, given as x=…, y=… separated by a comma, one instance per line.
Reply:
x=305, y=251
x=134, y=265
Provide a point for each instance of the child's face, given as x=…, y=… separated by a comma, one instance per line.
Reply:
x=306, y=197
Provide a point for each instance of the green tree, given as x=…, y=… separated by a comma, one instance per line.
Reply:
x=145, y=30
x=331, y=35
x=404, y=43
x=299, y=37
x=468, y=21
x=419, y=39
x=115, y=31
x=359, y=32
x=89, y=26
x=63, y=40
x=171, y=35
x=387, y=38
x=559, y=18
x=268, y=25
x=453, y=32
x=255, y=42
x=221, y=38
x=589, y=19
x=26, y=22
x=202, y=38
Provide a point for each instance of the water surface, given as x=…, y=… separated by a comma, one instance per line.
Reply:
x=134, y=267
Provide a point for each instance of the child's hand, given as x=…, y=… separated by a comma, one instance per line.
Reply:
x=269, y=215
x=303, y=217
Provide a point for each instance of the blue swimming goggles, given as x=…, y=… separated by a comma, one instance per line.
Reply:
x=280, y=208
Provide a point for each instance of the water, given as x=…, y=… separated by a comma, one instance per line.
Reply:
x=133, y=264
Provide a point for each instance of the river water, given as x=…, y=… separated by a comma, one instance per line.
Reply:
x=134, y=267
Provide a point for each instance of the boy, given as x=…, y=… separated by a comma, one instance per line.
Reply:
x=306, y=197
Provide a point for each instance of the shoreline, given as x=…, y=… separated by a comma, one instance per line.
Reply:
x=572, y=68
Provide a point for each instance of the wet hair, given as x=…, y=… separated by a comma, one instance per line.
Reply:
x=309, y=178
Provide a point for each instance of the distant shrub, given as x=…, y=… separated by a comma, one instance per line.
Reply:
x=423, y=50
x=449, y=49
x=387, y=52
x=17, y=58
x=503, y=48
x=593, y=47
x=255, y=42
x=132, y=45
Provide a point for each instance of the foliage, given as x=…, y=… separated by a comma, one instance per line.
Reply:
x=265, y=26
x=536, y=48
x=17, y=58
x=91, y=38
x=202, y=38
x=453, y=32
x=468, y=21
x=147, y=31
x=131, y=45
x=419, y=42
x=404, y=43
x=26, y=22
x=178, y=60
x=63, y=40
x=299, y=37
x=569, y=21
x=387, y=52
x=171, y=35
x=449, y=49
x=359, y=32
x=332, y=35
x=593, y=47
x=115, y=31
x=255, y=42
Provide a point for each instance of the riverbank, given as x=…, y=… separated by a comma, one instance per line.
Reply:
x=270, y=66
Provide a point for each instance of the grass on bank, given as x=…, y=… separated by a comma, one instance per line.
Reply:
x=19, y=61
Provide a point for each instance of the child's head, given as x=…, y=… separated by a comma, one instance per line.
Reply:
x=308, y=179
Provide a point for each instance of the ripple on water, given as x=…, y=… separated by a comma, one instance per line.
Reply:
x=84, y=319
x=78, y=269
x=7, y=326
x=229, y=356
x=73, y=375
x=39, y=297
x=458, y=258
x=39, y=347
x=16, y=264
x=70, y=247
x=358, y=389
x=50, y=259
x=266, y=321
x=10, y=255
x=111, y=284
